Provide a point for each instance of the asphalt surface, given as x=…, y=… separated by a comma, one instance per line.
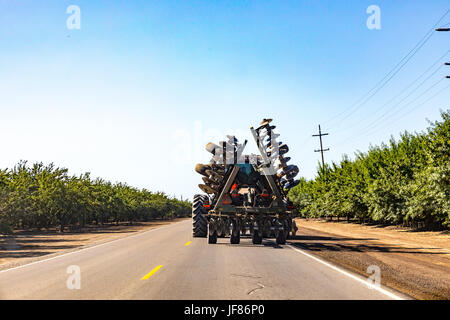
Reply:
x=167, y=263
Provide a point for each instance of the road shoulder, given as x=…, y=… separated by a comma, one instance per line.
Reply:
x=415, y=264
x=26, y=247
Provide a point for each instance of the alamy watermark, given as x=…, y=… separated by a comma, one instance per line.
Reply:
x=74, y=20
x=374, y=280
x=374, y=20
x=185, y=146
x=74, y=279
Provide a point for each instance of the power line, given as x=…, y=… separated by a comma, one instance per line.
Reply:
x=368, y=132
x=411, y=110
x=380, y=118
x=390, y=74
x=422, y=94
x=408, y=104
x=384, y=84
x=401, y=92
x=421, y=104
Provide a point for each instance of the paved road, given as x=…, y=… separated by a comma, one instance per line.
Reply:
x=122, y=269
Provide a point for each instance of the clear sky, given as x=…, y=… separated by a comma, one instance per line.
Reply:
x=136, y=93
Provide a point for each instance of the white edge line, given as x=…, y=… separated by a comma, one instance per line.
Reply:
x=378, y=288
x=83, y=249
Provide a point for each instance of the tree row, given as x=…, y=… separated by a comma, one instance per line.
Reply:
x=45, y=196
x=405, y=181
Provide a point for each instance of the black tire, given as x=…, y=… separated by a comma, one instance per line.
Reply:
x=199, y=222
x=287, y=228
x=294, y=229
x=235, y=239
x=281, y=237
x=212, y=238
x=256, y=238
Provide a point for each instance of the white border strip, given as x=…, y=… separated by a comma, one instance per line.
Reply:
x=372, y=286
x=95, y=246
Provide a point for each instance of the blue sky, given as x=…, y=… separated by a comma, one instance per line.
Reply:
x=136, y=93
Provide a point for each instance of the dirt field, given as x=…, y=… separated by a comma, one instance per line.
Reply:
x=24, y=247
x=415, y=263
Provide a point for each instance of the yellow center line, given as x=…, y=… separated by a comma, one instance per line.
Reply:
x=188, y=243
x=148, y=275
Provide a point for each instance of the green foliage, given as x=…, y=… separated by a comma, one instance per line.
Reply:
x=40, y=196
x=403, y=182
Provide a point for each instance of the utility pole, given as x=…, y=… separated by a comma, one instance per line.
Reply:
x=321, y=150
x=444, y=30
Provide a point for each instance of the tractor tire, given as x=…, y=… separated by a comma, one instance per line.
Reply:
x=287, y=227
x=294, y=229
x=212, y=238
x=281, y=237
x=235, y=239
x=256, y=238
x=199, y=222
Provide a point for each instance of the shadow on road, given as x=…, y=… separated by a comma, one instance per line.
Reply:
x=321, y=238
x=30, y=254
x=267, y=243
x=325, y=243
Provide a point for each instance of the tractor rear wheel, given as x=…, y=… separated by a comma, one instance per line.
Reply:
x=199, y=222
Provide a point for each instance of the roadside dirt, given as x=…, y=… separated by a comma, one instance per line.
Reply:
x=24, y=247
x=412, y=262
